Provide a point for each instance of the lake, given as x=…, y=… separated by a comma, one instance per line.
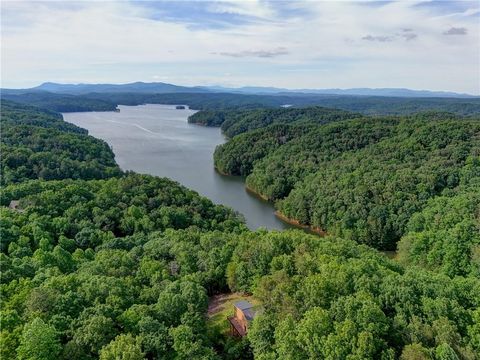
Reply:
x=158, y=140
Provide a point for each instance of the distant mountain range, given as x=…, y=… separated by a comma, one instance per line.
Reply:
x=390, y=92
x=163, y=88
x=136, y=87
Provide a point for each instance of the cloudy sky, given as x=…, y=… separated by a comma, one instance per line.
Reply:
x=310, y=44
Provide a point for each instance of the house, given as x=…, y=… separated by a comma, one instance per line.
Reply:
x=243, y=314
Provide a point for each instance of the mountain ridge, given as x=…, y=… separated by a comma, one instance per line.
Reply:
x=160, y=87
x=389, y=92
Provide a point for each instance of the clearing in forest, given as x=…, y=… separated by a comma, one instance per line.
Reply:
x=219, y=307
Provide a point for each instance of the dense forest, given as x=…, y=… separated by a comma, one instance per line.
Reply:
x=97, y=269
x=445, y=235
x=37, y=143
x=85, y=261
x=121, y=265
x=235, y=122
x=61, y=102
x=332, y=299
x=368, y=105
x=360, y=179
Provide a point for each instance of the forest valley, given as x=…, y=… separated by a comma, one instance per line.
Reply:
x=101, y=263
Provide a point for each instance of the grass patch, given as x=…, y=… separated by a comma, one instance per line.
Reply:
x=221, y=306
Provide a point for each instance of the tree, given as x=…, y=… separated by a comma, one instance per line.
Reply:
x=445, y=352
x=415, y=352
x=261, y=334
x=39, y=341
x=95, y=332
x=187, y=346
x=123, y=347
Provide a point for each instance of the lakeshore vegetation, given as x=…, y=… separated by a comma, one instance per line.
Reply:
x=97, y=263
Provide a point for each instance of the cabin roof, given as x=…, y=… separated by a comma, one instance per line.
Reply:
x=243, y=305
x=249, y=314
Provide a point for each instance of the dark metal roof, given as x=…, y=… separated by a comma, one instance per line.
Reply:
x=249, y=314
x=243, y=305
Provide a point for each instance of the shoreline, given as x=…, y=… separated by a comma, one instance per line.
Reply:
x=293, y=222
x=313, y=229
x=257, y=194
x=223, y=173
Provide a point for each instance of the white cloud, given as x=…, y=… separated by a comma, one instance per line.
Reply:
x=323, y=47
x=253, y=8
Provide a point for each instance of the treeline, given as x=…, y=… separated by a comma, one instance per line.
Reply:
x=238, y=155
x=20, y=114
x=61, y=102
x=235, y=122
x=369, y=195
x=359, y=179
x=38, y=144
x=368, y=105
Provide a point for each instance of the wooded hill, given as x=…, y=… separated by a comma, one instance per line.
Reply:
x=61, y=102
x=38, y=144
x=361, y=179
x=123, y=267
x=235, y=122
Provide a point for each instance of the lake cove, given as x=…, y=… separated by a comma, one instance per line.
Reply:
x=158, y=140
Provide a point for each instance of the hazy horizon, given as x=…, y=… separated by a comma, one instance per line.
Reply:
x=419, y=45
x=238, y=87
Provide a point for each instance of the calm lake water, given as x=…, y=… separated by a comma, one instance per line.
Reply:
x=158, y=140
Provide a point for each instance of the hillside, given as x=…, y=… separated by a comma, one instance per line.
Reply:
x=234, y=122
x=332, y=299
x=124, y=265
x=38, y=144
x=87, y=263
x=61, y=102
x=359, y=179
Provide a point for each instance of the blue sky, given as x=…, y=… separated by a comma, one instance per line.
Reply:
x=305, y=44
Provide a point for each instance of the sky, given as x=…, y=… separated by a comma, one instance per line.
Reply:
x=432, y=45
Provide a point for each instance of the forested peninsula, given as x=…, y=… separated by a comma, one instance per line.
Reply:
x=362, y=179
x=98, y=263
